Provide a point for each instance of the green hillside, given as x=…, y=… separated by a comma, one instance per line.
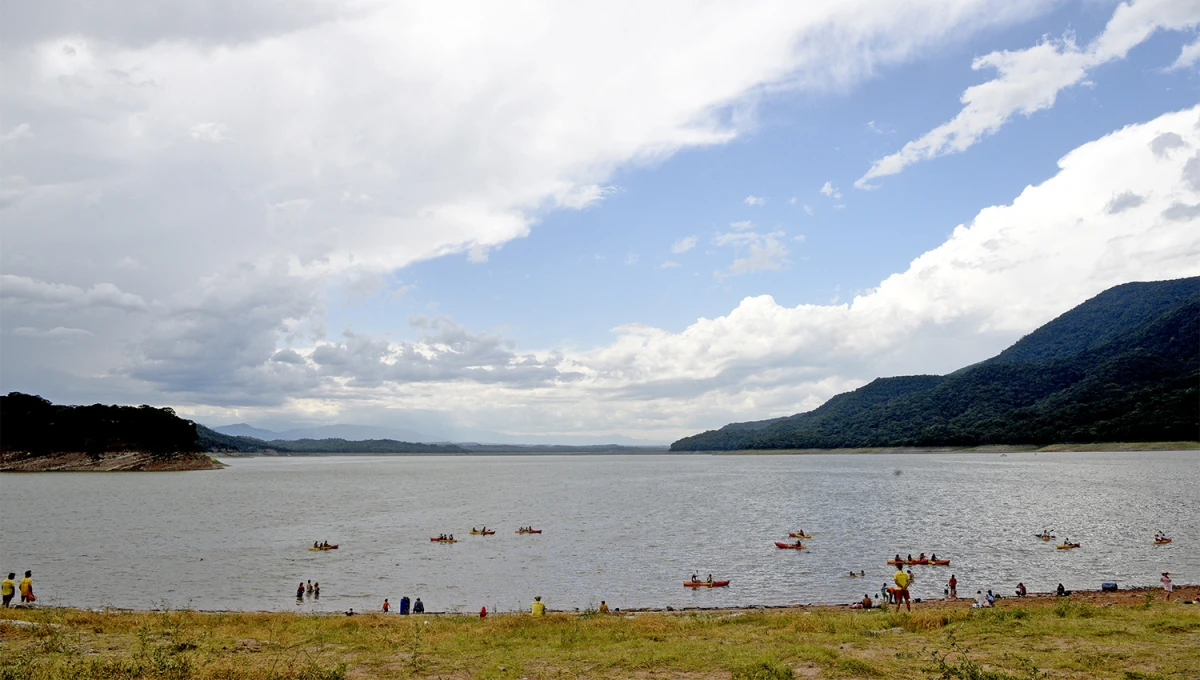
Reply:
x=1123, y=366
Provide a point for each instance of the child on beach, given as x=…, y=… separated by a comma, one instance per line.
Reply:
x=1167, y=585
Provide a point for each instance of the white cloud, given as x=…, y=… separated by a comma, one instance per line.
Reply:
x=1029, y=80
x=831, y=191
x=59, y=333
x=799, y=238
x=631, y=258
x=24, y=290
x=683, y=245
x=1188, y=56
x=741, y=225
x=207, y=132
x=808, y=209
x=669, y=264
x=754, y=201
x=18, y=132
x=792, y=201
x=755, y=252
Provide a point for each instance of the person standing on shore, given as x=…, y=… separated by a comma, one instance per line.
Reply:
x=26, y=587
x=1167, y=585
x=404, y=602
x=902, y=580
x=953, y=587
x=386, y=606
x=8, y=589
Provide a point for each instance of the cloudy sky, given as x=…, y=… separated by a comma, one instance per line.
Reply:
x=559, y=221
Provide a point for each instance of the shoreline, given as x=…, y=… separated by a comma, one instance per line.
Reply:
x=123, y=461
x=1130, y=595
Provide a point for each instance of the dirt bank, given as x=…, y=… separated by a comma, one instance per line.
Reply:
x=125, y=461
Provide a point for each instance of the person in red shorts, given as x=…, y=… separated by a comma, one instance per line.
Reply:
x=902, y=580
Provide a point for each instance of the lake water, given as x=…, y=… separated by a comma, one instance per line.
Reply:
x=626, y=529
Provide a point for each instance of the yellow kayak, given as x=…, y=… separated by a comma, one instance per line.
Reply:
x=1068, y=546
x=325, y=547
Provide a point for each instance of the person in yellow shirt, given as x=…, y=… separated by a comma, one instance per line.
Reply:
x=902, y=580
x=538, y=608
x=603, y=607
x=26, y=587
x=7, y=589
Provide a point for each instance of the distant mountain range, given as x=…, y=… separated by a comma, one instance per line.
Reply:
x=476, y=437
x=1122, y=367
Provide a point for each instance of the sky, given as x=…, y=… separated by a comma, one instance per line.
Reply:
x=571, y=222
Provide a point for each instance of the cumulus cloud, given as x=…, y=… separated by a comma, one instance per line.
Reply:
x=684, y=244
x=24, y=290
x=1123, y=201
x=831, y=191
x=754, y=201
x=1029, y=80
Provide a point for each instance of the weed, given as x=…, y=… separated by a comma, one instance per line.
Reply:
x=763, y=670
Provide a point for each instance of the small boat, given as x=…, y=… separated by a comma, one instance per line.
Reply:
x=789, y=546
x=444, y=540
x=1068, y=546
x=483, y=533
x=529, y=531
x=898, y=563
x=940, y=563
x=706, y=584
x=795, y=535
x=1162, y=541
x=924, y=561
x=325, y=547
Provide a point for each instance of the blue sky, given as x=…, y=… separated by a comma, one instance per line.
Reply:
x=573, y=223
x=571, y=281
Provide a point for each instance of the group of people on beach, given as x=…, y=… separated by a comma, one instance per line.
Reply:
x=9, y=588
x=417, y=607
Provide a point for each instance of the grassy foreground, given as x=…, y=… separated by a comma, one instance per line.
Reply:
x=1137, y=636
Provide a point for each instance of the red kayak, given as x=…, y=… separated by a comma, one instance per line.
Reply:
x=940, y=563
x=789, y=546
x=705, y=584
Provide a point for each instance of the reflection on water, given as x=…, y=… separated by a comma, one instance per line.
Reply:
x=626, y=529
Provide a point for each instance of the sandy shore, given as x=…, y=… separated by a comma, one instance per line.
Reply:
x=125, y=461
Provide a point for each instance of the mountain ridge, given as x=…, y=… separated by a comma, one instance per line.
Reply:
x=1123, y=365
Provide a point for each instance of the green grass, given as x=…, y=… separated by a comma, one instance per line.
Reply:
x=1033, y=640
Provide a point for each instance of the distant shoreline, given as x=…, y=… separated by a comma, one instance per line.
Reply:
x=991, y=448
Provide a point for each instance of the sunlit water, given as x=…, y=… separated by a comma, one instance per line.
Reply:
x=626, y=529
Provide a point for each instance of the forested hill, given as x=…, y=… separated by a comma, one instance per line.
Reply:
x=34, y=426
x=1123, y=366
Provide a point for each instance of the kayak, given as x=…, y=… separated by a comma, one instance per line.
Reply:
x=325, y=547
x=1068, y=546
x=940, y=563
x=794, y=535
x=924, y=561
x=789, y=546
x=444, y=540
x=529, y=531
x=898, y=563
x=705, y=584
x=1162, y=541
x=483, y=533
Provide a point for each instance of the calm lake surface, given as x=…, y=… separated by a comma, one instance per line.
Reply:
x=626, y=529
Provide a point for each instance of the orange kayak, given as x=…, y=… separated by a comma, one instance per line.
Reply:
x=789, y=546
x=705, y=584
x=1163, y=541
